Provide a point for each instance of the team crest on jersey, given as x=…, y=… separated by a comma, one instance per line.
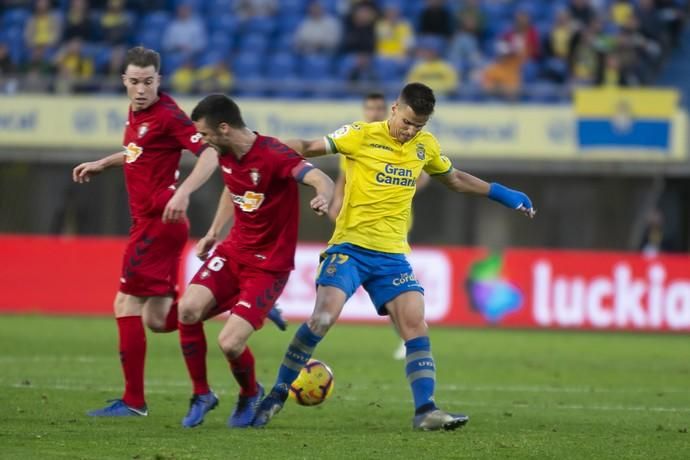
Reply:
x=254, y=176
x=142, y=130
x=421, y=151
x=132, y=152
x=205, y=274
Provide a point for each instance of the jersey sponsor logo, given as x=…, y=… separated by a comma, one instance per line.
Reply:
x=249, y=202
x=226, y=170
x=132, y=152
x=142, y=130
x=195, y=138
x=255, y=176
x=421, y=151
x=381, y=146
x=392, y=175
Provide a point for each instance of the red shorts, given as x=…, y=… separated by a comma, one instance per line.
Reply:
x=247, y=292
x=152, y=259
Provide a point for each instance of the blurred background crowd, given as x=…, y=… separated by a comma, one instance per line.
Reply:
x=528, y=50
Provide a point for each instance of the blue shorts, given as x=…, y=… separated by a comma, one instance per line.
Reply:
x=384, y=276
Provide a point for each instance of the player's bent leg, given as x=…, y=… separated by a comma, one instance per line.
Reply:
x=132, y=347
x=195, y=303
x=156, y=312
x=233, y=342
x=407, y=312
x=329, y=304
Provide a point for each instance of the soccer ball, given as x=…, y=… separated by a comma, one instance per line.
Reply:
x=313, y=385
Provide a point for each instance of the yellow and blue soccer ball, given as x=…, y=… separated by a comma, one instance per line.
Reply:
x=313, y=385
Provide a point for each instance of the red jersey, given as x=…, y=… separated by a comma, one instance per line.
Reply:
x=263, y=184
x=153, y=140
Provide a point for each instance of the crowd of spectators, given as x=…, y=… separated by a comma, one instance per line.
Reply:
x=303, y=48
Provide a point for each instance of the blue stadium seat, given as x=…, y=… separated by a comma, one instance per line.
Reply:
x=225, y=22
x=150, y=38
x=316, y=67
x=15, y=17
x=155, y=20
x=248, y=64
x=390, y=70
x=530, y=72
x=170, y=62
x=215, y=7
x=281, y=65
x=293, y=7
x=289, y=23
x=211, y=57
x=220, y=41
x=253, y=43
x=259, y=25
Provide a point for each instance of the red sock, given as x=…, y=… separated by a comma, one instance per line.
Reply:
x=193, y=343
x=171, y=319
x=132, y=355
x=243, y=369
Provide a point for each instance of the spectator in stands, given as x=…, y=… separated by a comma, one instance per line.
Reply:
x=431, y=69
x=186, y=33
x=655, y=238
x=360, y=35
x=651, y=24
x=673, y=16
x=215, y=77
x=246, y=9
x=503, y=77
x=464, y=49
x=113, y=71
x=394, y=34
x=362, y=74
x=77, y=22
x=183, y=78
x=318, y=32
x=36, y=72
x=471, y=18
x=74, y=68
x=589, y=47
x=582, y=12
x=558, y=47
x=436, y=19
x=523, y=38
x=43, y=27
x=621, y=11
x=8, y=82
x=115, y=25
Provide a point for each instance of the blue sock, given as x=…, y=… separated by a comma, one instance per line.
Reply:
x=298, y=353
x=421, y=373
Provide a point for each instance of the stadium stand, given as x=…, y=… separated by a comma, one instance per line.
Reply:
x=553, y=45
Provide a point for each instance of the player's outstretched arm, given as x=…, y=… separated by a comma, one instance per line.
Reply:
x=177, y=206
x=463, y=182
x=83, y=172
x=224, y=215
x=314, y=148
x=323, y=185
x=338, y=196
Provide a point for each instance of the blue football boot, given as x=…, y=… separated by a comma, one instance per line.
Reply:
x=118, y=408
x=199, y=406
x=245, y=409
x=271, y=405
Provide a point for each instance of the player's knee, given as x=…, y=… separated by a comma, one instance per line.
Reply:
x=155, y=323
x=320, y=322
x=188, y=312
x=231, y=345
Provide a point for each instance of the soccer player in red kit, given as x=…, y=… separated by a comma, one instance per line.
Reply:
x=155, y=133
x=249, y=269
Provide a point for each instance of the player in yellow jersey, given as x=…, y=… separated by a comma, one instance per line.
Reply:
x=374, y=108
x=370, y=241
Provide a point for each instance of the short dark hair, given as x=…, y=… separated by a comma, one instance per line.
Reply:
x=419, y=97
x=143, y=57
x=375, y=95
x=217, y=109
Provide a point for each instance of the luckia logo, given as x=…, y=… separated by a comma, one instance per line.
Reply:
x=490, y=295
x=132, y=152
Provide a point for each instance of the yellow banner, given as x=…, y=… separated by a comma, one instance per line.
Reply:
x=464, y=131
x=640, y=103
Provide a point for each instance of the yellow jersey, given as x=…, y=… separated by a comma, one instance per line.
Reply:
x=381, y=179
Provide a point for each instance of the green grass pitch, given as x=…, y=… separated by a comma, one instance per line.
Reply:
x=529, y=395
